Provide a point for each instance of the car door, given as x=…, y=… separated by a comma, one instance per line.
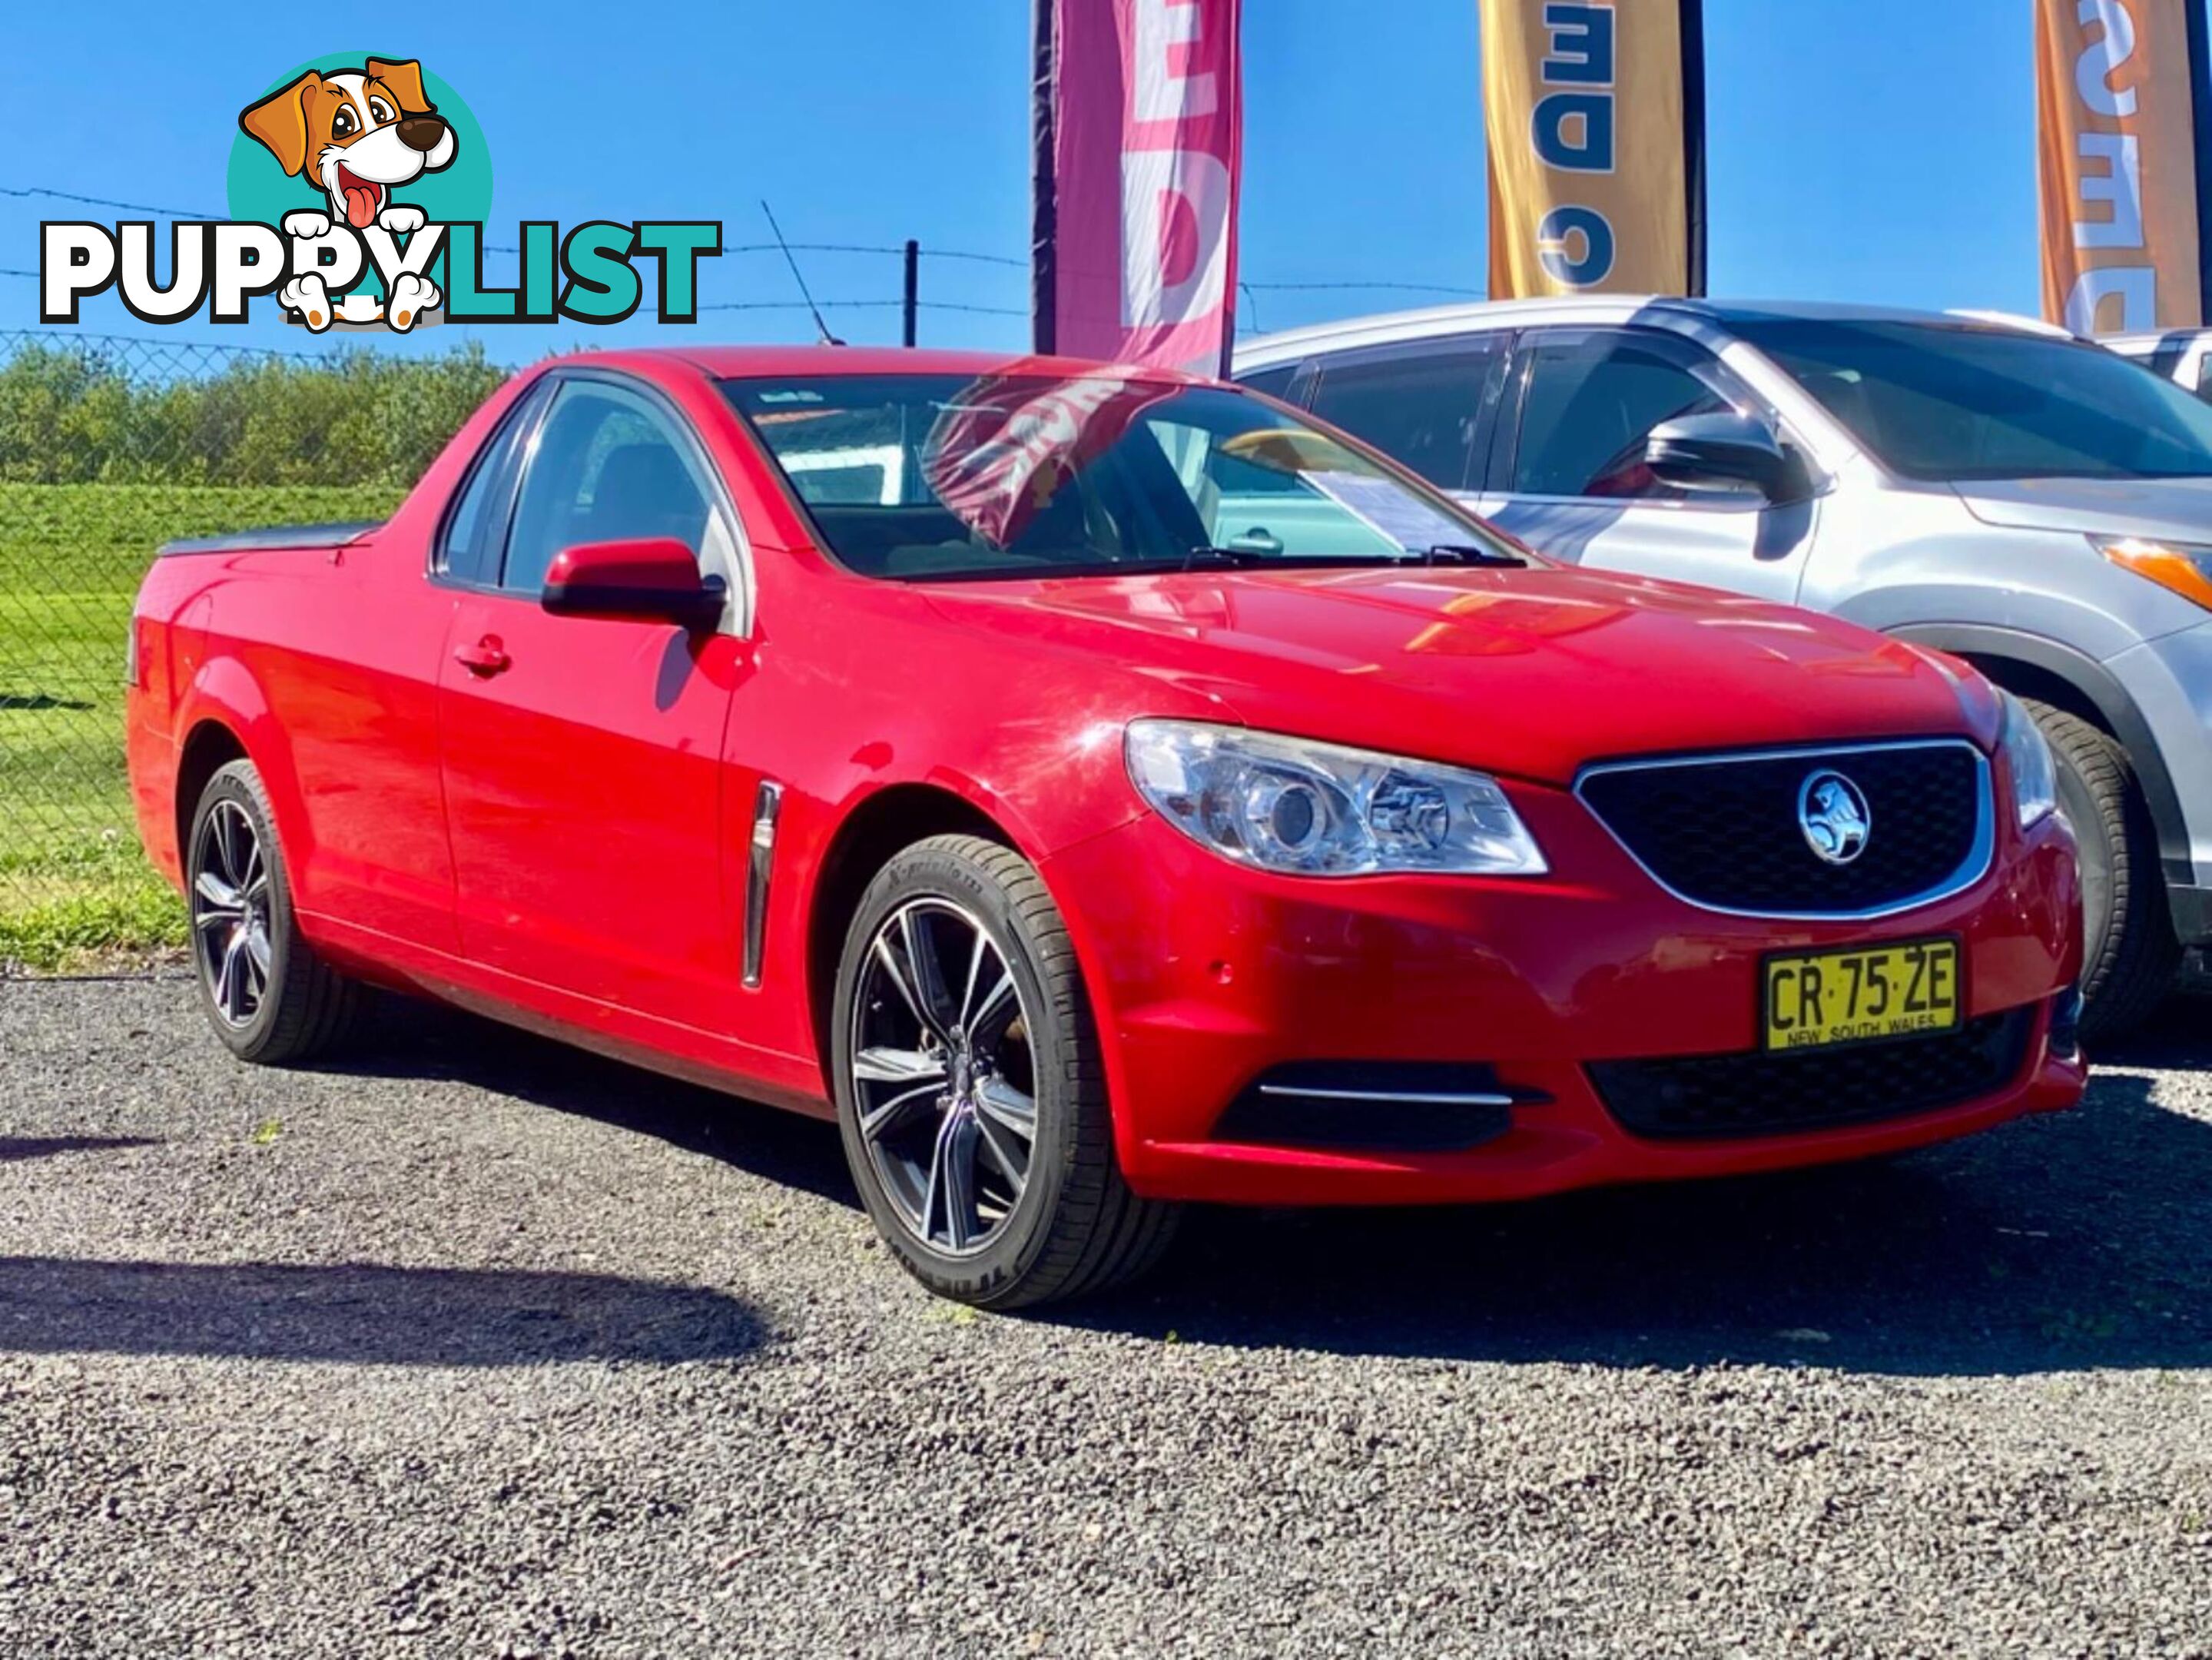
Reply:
x=1567, y=473
x=357, y=685
x=585, y=791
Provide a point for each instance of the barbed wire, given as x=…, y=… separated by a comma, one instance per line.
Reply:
x=886, y=249
x=142, y=350
x=52, y=193
x=1408, y=288
x=97, y=201
x=862, y=305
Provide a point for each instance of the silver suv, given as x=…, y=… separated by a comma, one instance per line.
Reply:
x=2000, y=491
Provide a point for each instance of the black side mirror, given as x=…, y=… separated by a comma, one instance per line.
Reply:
x=1723, y=451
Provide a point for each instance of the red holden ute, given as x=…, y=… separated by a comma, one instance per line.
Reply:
x=1096, y=789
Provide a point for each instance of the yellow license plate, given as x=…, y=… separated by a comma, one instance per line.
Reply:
x=1860, y=992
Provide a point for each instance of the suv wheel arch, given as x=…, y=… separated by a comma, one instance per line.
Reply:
x=2030, y=666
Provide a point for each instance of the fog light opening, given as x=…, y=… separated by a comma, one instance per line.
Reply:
x=2066, y=1024
x=1370, y=1106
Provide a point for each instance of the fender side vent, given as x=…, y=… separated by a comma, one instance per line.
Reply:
x=760, y=865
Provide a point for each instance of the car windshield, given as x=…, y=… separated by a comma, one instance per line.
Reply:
x=1962, y=401
x=932, y=477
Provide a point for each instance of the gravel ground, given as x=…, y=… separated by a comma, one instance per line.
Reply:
x=478, y=1347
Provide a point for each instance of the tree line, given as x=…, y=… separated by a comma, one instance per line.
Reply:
x=137, y=413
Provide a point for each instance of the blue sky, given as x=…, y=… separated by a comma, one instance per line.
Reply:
x=1878, y=151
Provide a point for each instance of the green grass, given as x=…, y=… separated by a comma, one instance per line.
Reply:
x=74, y=885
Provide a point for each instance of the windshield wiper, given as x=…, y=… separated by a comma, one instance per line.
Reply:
x=1203, y=557
x=1469, y=553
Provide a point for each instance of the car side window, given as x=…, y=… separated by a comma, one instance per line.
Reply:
x=468, y=549
x=1423, y=407
x=1592, y=399
x=606, y=468
x=1275, y=382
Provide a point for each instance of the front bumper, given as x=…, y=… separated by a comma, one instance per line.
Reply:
x=1205, y=977
x=2192, y=913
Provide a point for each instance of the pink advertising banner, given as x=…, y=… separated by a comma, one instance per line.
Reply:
x=1139, y=132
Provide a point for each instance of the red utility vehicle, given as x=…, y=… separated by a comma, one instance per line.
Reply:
x=1097, y=790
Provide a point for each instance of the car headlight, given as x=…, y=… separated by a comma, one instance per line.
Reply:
x=2027, y=761
x=2181, y=567
x=1310, y=809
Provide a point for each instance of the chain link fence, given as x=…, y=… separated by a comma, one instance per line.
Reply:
x=109, y=446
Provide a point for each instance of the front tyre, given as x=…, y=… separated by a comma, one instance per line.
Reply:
x=2129, y=949
x=267, y=994
x=970, y=1091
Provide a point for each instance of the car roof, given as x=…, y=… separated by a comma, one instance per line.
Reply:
x=738, y=361
x=1435, y=321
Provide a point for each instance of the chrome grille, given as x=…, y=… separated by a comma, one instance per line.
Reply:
x=1723, y=832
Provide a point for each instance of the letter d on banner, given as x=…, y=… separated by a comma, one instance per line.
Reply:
x=1596, y=113
x=2122, y=142
x=1139, y=111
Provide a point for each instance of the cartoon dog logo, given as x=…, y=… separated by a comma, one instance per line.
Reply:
x=358, y=135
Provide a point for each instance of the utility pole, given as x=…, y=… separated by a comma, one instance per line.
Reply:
x=913, y=288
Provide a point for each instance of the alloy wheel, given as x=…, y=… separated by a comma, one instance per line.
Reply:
x=230, y=900
x=944, y=1078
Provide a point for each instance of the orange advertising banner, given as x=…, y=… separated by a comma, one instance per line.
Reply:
x=2119, y=129
x=1594, y=112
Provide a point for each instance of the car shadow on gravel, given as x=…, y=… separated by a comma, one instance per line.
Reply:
x=2079, y=1240
x=427, y=1041
x=362, y=1313
x=14, y=1149
x=2083, y=1239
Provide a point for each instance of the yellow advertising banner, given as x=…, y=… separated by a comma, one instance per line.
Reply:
x=2117, y=147
x=1595, y=117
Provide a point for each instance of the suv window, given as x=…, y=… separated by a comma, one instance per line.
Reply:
x=2201, y=381
x=1275, y=382
x=1591, y=401
x=606, y=468
x=1949, y=399
x=1423, y=407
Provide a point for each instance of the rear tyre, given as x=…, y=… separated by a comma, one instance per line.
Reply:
x=970, y=1091
x=267, y=994
x=2128, y=950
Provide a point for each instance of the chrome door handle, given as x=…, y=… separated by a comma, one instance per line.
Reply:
x=487, y=657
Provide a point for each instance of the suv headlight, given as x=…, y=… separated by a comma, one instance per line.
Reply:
x=1309, y=809
x=2027, y=761
x=2181, y=567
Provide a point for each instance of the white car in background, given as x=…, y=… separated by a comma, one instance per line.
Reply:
x=1990, y=486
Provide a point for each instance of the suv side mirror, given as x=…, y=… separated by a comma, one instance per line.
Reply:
x=655, y=579
x=1723, y=450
